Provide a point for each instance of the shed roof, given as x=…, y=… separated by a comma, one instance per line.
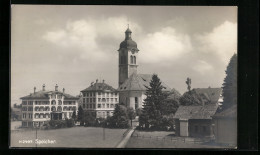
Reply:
x=196, y=112
x=227, y=113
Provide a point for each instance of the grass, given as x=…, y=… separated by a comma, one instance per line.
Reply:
x=163, y=139
x=76, y=137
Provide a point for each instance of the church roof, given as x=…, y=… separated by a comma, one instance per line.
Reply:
x=128, y=43
x=196, y=112
x=138, y=82
x=99, y=87
x=45, y=95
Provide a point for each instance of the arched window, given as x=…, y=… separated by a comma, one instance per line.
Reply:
x=53, y=102
x=65, y=108
x=36, y=115
x=36, y=108
x=132, y=61
x=53, y=108
x=59, y=102
x=59, y=109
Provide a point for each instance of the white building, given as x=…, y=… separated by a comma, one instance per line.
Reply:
x=99, y=99
x=42, y=106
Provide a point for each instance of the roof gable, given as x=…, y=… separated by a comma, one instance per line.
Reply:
x=211, y=94
x=45, y=95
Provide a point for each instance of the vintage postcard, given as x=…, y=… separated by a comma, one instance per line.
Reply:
x=123, y=76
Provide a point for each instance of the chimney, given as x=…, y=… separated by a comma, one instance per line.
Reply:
x=43, y=87
x=56, y=87
x=63, y=90
x=96, y=80
x=92, y=84
x=103, y=81
x=34, y=90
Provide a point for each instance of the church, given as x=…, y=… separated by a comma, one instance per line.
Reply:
x=131, y=83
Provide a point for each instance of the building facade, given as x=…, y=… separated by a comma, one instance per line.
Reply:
x=42, y=106
x=100, y=99
x=196, y=121
x=131, y=85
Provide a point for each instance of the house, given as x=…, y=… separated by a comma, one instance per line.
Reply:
x=196, y=121
x=131, y=84
x=16, y=113
x=42, y=106
x=100, y=99
x=225, y=126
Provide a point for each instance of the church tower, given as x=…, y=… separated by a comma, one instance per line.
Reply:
x=128, y=56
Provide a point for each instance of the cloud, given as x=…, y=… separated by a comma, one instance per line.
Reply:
x=164, y=46
x=202, y=67
x=222, y=41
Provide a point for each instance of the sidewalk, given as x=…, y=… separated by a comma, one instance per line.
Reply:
x=125, y=139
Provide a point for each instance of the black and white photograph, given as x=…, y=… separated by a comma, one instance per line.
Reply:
x=118, y=76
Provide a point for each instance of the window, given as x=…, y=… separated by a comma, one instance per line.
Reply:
x=94, y=99
x=94, y=106
x=204, y=128
x=83, y=105
x=112, y=100
x=53, y=108
x=103, y=100
x=24, y=102
x=65, y=108
x=24, y=115
x=90, y=100
x=59, y=102
x=107, y=105
x=99, y=93
x=132, y=61
x=107, y=99
x=36, y=116
x=87, y=106
x=87, y=100
x=136, y=102
x=111, y=105
x=99, y=99
x=103, y=105
x=90, y=106
x=196, y=128
x=83, y=100
x=115, y=99
x=87, y=94
x=99, y=105
x=53, y=102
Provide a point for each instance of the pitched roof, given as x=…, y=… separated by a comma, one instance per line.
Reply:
x=99, y=87
x=211, y=94
x=196, y=112
x=138, y=82
x=227, y=113
x=44, y=95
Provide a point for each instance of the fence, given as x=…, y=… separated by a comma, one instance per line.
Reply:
x=171, y=139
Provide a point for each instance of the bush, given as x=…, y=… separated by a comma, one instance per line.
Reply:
x=69, y=123
x=56, y=124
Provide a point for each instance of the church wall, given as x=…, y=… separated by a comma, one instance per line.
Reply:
x=128, y=98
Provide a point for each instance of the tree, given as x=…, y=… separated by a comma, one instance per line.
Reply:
x=131, y=114
x=151, y=114
x=193, y=98
x=80, y=115
x=230, y=84
x=89, y=119
x=170, y=106
x=74, y=115
x=120, y=117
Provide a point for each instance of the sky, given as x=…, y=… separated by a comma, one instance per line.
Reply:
x=73, y=46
